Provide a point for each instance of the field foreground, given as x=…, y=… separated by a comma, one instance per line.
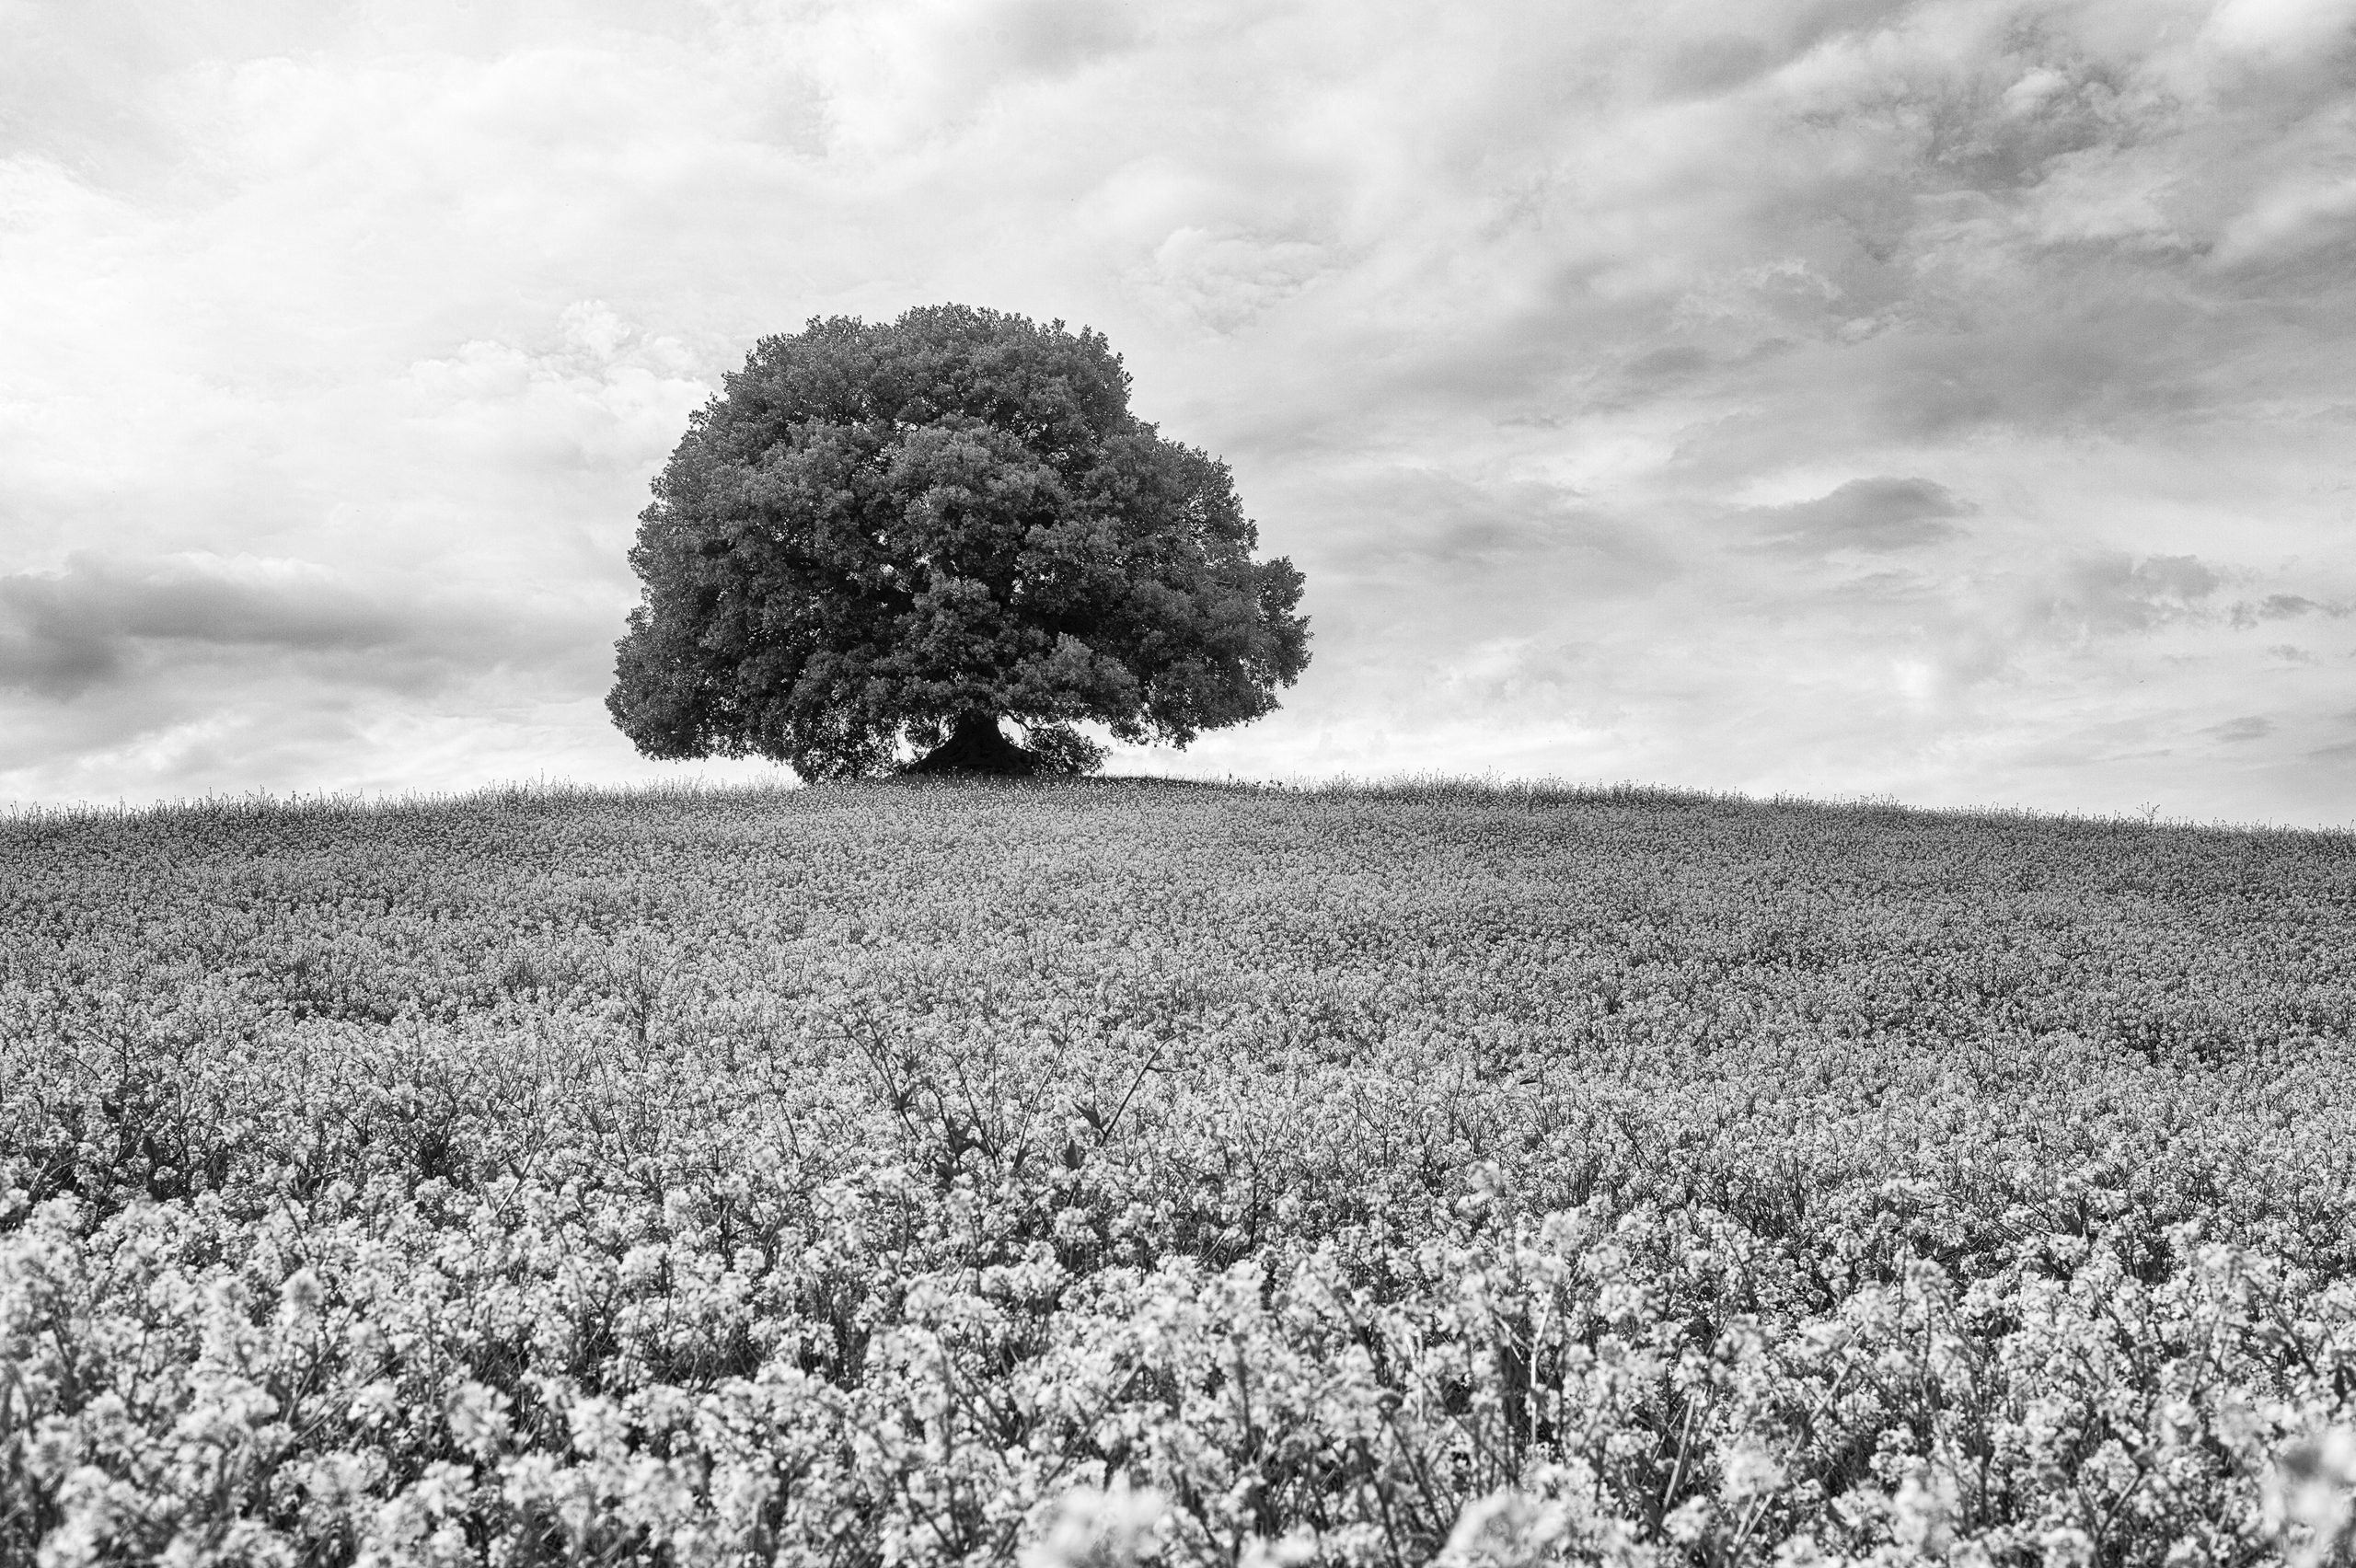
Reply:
x=934, y=1173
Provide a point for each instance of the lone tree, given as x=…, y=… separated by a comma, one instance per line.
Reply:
x=909, y=532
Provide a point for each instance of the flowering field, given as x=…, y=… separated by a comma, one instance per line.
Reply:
x=1132, y=1171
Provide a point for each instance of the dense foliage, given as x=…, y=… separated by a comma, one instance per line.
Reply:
x=928, y=1173
x=880, y=534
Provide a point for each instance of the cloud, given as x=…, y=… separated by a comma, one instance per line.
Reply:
x=1510, y=318
x=2282, y=31
x=2336, y=752
x=1875, y=515
x=100, y=623
x=2115, y=593
x=1225, y=280
x=2281, y=608
x=1520, y=673
x=63, y=633
x=1408, y=526
x=159, y=676
x=2303, y=213
x=895, y=77
x=1705, y=67
x=2249, y=727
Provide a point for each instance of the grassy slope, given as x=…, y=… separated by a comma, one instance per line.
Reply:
x=1798, y=1001
x=1246, y=1022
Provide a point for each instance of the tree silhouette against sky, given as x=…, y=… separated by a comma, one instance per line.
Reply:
x=900, y=534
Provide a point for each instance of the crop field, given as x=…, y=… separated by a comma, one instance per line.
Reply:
x=1125, y=1171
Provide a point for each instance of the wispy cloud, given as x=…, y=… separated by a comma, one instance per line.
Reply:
x=2249, y=727
x=1875, y=515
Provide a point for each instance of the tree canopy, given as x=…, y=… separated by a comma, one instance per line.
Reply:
x=901, y=533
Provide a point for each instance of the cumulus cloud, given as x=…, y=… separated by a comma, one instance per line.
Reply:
x=1225, y=280
x=2116, y=592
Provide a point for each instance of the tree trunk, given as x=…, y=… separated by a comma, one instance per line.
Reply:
x=974, y=746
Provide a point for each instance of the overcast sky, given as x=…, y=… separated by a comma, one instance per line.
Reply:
x=1954, y=401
